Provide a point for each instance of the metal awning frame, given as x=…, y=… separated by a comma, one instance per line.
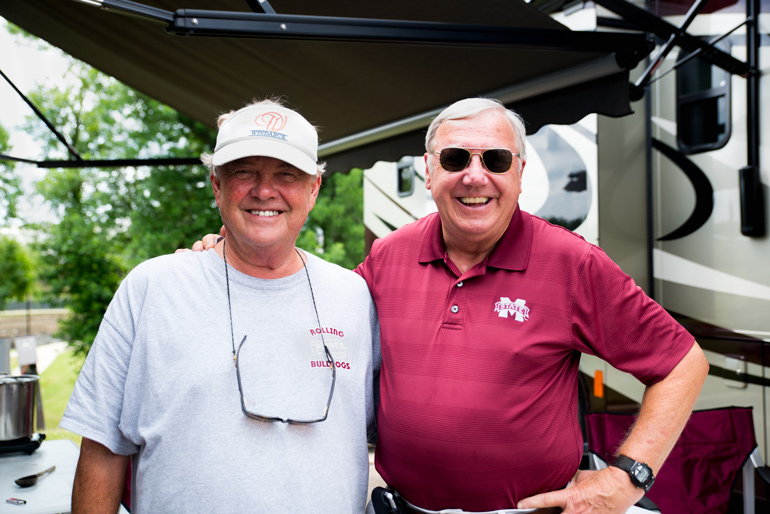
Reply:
x=628, y=50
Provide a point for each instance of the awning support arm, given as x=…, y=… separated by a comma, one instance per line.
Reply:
x=71, y=149
x=106, y=163
x=134, y=9
x=693, y=55
x=644, y=79
x=647, y=21
x=262, y=6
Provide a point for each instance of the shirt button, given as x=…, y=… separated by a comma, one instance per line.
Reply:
x=455, y=308
x=459, y=284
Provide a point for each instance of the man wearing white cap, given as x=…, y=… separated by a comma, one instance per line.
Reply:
x=237, y=379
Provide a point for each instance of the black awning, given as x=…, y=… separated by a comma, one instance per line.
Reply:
x=371, y=100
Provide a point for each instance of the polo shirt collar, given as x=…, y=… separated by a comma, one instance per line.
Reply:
x=511, y=252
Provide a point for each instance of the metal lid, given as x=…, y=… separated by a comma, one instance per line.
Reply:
x=17, y=379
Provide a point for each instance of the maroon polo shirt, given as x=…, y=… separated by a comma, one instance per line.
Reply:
x=478, y=384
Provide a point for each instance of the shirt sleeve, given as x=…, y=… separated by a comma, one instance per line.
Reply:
x=95, y=407
x=614, y=319
x=365, y=269
x=376, y=365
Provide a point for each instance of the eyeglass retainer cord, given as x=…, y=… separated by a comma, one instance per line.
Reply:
x=230, y=309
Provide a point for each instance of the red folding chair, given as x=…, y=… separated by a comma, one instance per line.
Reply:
x=699, y=473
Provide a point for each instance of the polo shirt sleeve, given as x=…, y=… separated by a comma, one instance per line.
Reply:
x=615, y=320
x=365, y=269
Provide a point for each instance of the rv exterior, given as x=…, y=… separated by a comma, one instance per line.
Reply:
x=673, y=193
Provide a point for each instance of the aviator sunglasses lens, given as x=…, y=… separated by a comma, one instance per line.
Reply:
x=497, y=161
x=457, y=159
x=454, y=159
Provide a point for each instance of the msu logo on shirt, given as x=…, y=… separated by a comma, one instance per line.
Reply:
x=518, y=309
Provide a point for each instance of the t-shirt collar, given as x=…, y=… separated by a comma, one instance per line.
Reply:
x=511, y=252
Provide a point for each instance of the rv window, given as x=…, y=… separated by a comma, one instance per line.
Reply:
x=405, y=177
x=703, y=104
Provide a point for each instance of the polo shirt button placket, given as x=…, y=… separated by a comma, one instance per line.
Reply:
x=456, y=296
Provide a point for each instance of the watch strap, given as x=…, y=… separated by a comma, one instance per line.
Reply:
x=624, y=463
x=639, y=472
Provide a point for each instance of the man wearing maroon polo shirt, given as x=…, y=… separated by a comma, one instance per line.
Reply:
x=484, y=311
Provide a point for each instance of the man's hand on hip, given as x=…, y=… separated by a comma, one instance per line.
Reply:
x=608, y=491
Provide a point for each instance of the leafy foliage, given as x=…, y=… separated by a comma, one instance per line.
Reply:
x=78, y=259
x=9, y=181
x=335, y=227
x=16, y=270
x=112, y=219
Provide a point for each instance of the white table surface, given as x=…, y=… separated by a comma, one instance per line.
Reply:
x=52, y=493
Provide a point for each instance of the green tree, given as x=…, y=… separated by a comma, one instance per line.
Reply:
x=335, y=228
x=112, y=219
x=15, y=270
x=79, y=261
x=9, y=183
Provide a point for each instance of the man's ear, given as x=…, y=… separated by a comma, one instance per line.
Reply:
x=216, y=185
x=315, y=188
x=427, y=171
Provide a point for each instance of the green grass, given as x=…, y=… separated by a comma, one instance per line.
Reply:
x=56, y=384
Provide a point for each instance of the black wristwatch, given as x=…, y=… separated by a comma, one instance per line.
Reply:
x=640, y=473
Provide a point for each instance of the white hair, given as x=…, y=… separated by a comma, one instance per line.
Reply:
x=471, y=107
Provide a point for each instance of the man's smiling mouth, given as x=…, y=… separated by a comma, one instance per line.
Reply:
x=264, y=213
x=474, y=200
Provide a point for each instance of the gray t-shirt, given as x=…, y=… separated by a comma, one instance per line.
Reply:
x=160, y=383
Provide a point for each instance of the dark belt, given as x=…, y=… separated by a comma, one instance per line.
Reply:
x=389, y=501
x=406, y=509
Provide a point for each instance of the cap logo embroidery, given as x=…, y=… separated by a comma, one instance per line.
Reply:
x=517, y=309
x=271, y=121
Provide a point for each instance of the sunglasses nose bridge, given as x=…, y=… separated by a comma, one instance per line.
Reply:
x=476, y=169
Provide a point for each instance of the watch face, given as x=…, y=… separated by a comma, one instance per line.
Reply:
x=641, y=474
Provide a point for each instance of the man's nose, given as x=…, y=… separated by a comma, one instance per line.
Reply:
x=475, y=173
x=264, y=187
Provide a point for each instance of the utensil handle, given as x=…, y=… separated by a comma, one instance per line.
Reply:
x=52, y=468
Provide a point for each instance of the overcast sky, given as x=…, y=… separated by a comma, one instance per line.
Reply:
x=26, y=67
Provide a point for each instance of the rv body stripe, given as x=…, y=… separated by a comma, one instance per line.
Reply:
x=679, y=270
x=704, y=192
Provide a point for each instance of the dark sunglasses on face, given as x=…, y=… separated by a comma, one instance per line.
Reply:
x=495, y=160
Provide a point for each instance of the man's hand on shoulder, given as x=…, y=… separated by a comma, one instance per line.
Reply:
x=608, y=491
x=206, y=243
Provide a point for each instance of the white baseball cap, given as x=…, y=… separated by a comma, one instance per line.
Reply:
x=268, y=131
